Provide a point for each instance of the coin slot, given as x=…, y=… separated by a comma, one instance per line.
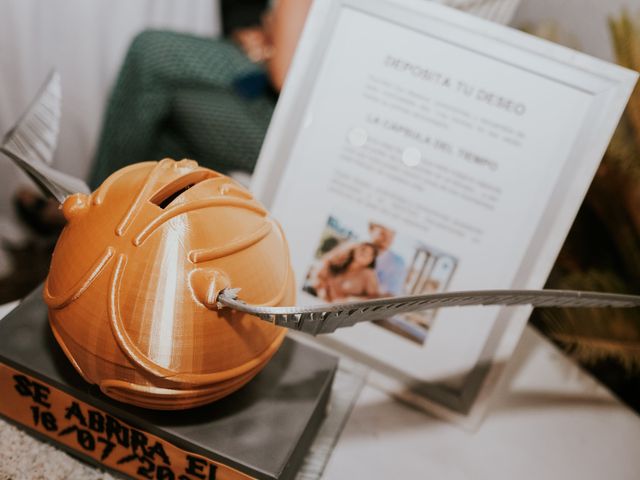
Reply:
x=167, y=194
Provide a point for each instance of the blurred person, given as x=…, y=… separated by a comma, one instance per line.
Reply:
x=390, y=268
x=352, y=279
x=183, y=96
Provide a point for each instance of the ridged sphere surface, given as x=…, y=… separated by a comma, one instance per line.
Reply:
x=135, y=275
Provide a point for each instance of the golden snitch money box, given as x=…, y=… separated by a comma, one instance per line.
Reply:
x=135, y=276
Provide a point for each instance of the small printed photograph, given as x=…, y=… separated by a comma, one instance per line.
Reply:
x=358, y=259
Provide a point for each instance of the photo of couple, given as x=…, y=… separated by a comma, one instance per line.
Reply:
x=360, y=260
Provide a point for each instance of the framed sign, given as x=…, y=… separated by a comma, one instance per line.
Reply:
x=419, y=149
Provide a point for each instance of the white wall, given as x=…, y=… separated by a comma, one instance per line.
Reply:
x=86, y=41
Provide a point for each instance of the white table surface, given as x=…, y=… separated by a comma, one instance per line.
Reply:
x=549, y=421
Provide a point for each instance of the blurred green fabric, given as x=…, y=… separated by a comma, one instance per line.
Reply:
x=182, y=96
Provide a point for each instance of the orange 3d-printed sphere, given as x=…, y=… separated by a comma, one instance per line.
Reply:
x=135, y=276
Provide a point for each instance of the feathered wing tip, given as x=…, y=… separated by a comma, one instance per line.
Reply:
x=32, y=141
x=326, y=318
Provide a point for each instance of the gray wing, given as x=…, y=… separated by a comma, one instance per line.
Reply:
x=31, y=143
x=327, y=318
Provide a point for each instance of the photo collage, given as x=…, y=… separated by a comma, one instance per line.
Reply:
x=359, y=259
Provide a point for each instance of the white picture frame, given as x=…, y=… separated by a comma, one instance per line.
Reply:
x=594, y=92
